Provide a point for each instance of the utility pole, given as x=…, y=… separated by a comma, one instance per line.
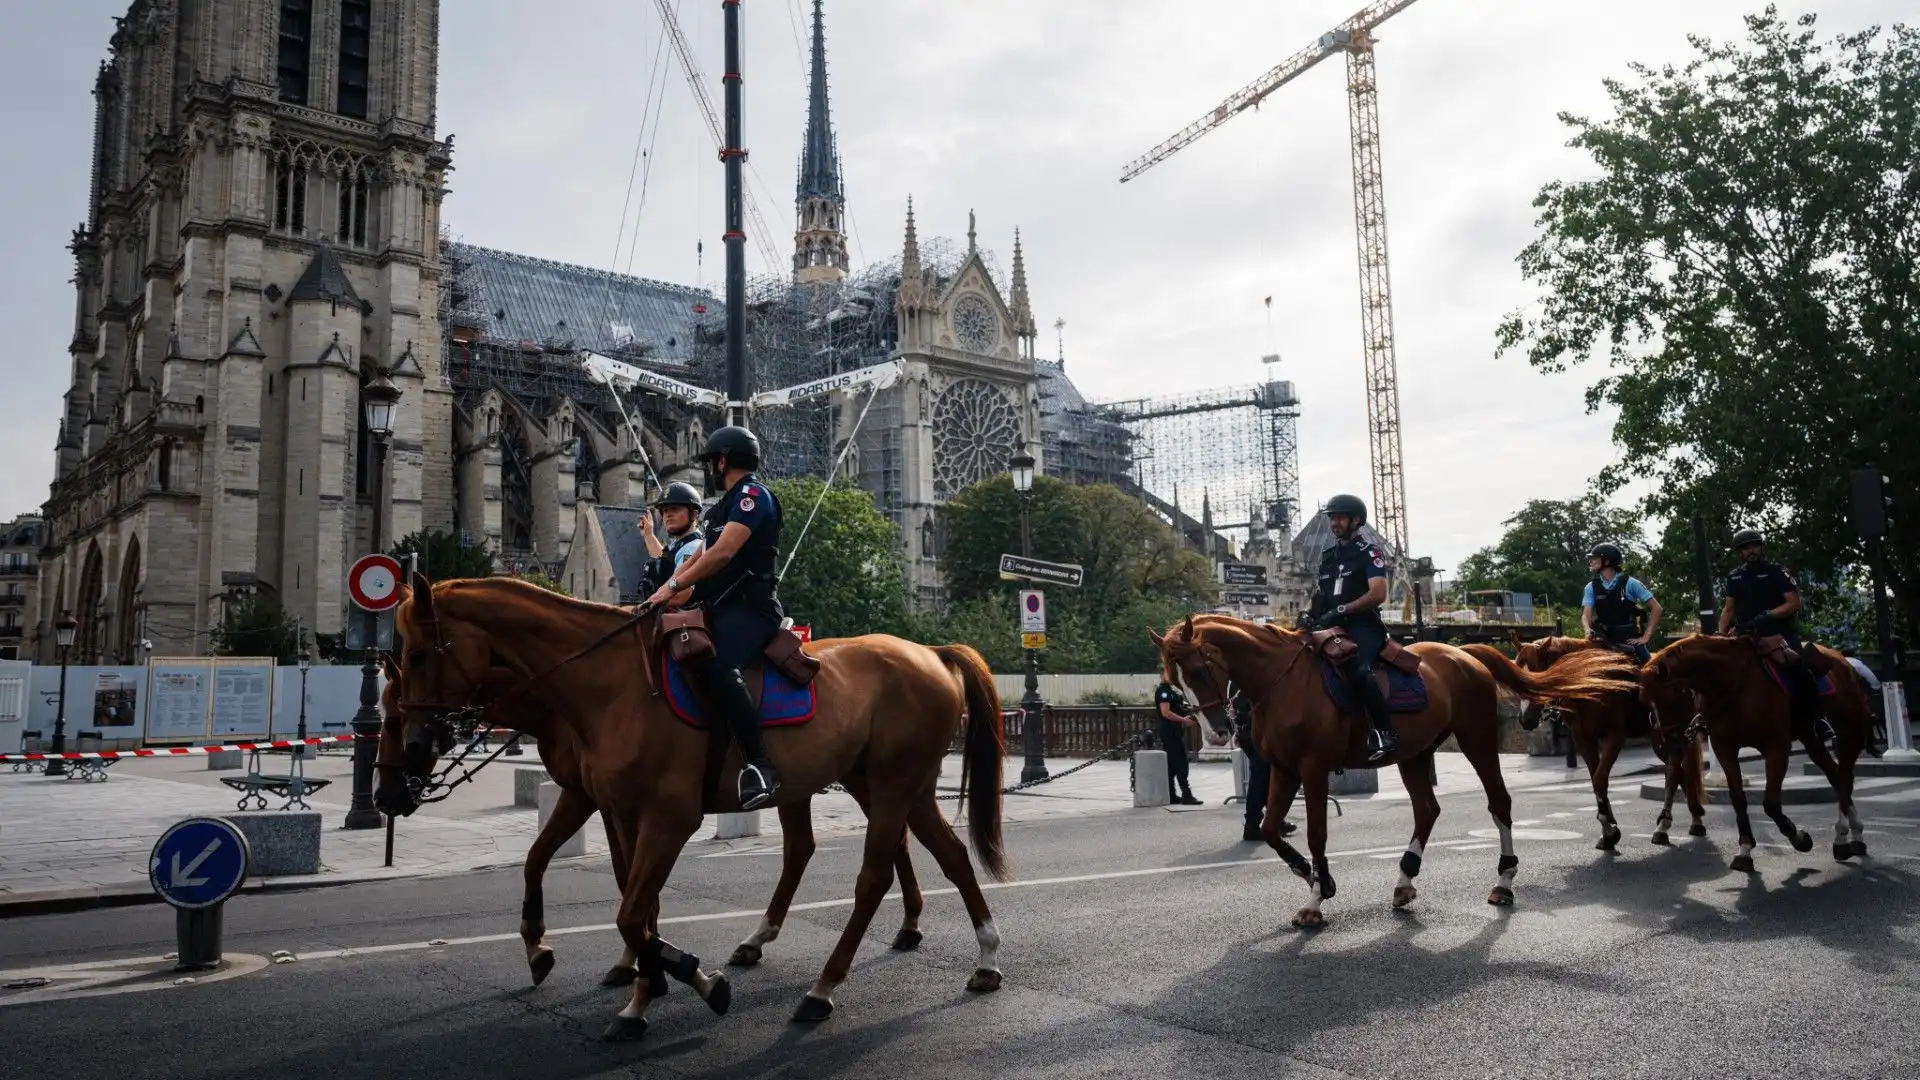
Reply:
x=733, y=155
x=1703, y=576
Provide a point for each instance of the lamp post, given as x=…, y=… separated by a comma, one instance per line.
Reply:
x=1033, y=710
x=63, y=630
x=381, y=397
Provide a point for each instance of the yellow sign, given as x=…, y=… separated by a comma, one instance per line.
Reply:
x=1033, y=641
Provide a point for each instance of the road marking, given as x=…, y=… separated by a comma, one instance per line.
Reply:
x=102, y=978
x=758, y=851
x=1526, y=834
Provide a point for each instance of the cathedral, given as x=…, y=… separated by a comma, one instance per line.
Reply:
x=264, y=240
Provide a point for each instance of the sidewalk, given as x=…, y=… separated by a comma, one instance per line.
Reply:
x=64, y=843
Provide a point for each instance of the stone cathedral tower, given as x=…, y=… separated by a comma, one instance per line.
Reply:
x=261, y=238
x=820, y=203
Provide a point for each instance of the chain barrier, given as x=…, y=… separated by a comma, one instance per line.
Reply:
x=1132, y=743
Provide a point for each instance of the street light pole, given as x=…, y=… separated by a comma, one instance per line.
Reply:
x=1033, y=711
x=63, y=631
x=381, y=397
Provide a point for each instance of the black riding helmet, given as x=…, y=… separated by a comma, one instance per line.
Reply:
x=1747, y=536
x=1608, y=554
x=742, y=447
x=679, y=493
x=1349, y=505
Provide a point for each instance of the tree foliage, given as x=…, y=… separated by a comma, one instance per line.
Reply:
x=257, y=626
x=1544, y=549
x=442, y=556
x=848, y=577
x=1746, y=264
x=1136, y=575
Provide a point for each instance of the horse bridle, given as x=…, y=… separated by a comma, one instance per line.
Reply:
x=1220, y=680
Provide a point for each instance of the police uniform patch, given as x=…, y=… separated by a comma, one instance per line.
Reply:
x=746, y=503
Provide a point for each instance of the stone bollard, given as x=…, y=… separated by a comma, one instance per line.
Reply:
x=737, y=826
x=222, y=760
x=526, y=785
x=1242, y=774
x=279, y=842
x=1150, y=787
x=1354, y=782
x=576, y=845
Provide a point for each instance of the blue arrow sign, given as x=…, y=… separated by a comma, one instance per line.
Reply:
x=198, y=863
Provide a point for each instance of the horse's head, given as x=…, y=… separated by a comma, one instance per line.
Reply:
x=1196, y=654
x=1538, y=655
x=445, y=670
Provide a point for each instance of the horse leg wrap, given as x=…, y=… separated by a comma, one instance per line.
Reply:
x=1606, y=810
x=530, y=911
x=1508, y=864
x=1295, y=861
x=681, y=965
x=1325, y=876
x=1410, y=864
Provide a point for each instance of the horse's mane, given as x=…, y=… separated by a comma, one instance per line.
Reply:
x=1689, y=655
x=501, y=589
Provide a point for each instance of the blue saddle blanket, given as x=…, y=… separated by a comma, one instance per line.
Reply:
x=1405, y=693
x=1821, y=683
x=781, y=702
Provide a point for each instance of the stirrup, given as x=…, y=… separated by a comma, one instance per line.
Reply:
x=1380, y=743
x=757, y=793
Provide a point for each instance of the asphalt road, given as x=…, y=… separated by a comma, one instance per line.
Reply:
x=1142, y=944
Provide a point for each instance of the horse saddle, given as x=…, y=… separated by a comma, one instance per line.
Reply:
x=1778, y=655
x=1397, y=671
x=779, y=681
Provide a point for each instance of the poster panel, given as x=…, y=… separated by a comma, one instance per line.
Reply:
x=179, y=700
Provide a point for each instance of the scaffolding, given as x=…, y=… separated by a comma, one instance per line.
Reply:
x=1236, y=449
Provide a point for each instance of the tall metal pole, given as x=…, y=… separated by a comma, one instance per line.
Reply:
x=58, y=766
x=1703, y=574
x=361, y=813
x=1033, y=730
x=733, y=155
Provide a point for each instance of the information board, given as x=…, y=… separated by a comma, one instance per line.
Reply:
x=179, y=699
x=242, y=698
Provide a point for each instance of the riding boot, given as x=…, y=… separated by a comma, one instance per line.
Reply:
x=758, y=783
x=1381, y=740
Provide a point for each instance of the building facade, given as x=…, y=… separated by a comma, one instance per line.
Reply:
x=20, y=542
x=260, y=239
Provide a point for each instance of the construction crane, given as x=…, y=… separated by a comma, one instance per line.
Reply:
x=763, y=237
x=1355, y=38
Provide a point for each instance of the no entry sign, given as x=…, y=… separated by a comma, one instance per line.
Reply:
x=374, y=582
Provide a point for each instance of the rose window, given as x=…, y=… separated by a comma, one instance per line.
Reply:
x=975, y=429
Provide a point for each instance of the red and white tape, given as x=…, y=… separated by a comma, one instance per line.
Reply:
x=178, y=751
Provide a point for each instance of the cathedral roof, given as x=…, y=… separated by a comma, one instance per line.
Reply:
x=324, y=279
x=1316, y=536
x=510, y=297
x=819, y=155
x=626, y=551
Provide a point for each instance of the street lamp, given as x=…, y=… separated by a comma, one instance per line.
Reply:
x=63, y=631
x=1033, y=710
x=381, y=399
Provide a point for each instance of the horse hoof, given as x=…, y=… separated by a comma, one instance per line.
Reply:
x=720, y=995
x=624, y=1029
x=1309, y=919
x=619, y=976
x=1608, y=841
x=1660, y=839
x=1696, y=829
x=983, y=981
x=812, y=1010
x=542, y=964
x=1842, y=852
x=1742, y=863
x=906, y=940
x=657, y=985
x=1859, y=848
x=1403, y=895
x=744, y=956
x=1802, y=841
x=1501, y=896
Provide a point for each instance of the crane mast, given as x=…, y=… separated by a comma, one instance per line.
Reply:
x=1354, y=37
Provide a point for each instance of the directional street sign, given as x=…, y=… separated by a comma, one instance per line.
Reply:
x=1250, y=599
x=374, y=582
x=1033, y=611
x=198, y=863
x=1243, y=574
x=1053, y=573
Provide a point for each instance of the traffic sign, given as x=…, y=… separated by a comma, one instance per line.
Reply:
x=1243, y=574
x=374, y=582
x=1033, y=641
x=1053, y=573
x=198, y=863
x=1033, y=611
x=1249, y=599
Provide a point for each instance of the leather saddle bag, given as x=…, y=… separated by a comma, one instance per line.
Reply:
x=684, y=631
x=1775, y=649
x=1399, y=656
x=1334, y=644
x=783, y=651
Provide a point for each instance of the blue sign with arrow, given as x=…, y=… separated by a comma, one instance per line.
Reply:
x=198, y=863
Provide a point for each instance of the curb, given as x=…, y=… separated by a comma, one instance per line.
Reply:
x=63, y=901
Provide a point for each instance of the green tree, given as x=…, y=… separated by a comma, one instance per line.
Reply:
x=442, y=556
x=1745, y=264
x=257, y=626
x=543, y=581
x=848, y=577
x=1544, y=549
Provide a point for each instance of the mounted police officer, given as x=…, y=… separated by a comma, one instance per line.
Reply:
x=1762, y=599
x=1353, y=585
x=1611, y=603
x=679, y=509
x=734, y=577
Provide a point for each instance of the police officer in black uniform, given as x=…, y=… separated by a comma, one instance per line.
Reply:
x=1763, y=599
x=1176, y=716
x=1353, y=585
x=1612, y=602
x=683, y=539
x=1259, y=773
x=735, y=579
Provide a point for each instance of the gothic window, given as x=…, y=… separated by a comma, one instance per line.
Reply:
x=296, y=44
x=975, y=428
x=356, y=47
x=355, y=192
x=291, y=175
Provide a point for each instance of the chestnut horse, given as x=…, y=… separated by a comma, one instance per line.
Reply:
x=1600, y=729
x=886, y=708
x=1304, y=736
x=1740, y=704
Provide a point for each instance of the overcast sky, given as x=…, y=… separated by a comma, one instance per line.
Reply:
x=1025, y=112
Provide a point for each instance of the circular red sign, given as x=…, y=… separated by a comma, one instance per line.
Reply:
x=374, y=582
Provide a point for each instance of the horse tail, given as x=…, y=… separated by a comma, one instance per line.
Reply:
x=1587, y=675
x=984, y=755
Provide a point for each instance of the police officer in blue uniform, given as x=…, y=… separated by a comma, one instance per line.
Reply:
x=679, y=508
x=1353, y=585
x=1761, y=598
x=1610, y=607
x=735, y=578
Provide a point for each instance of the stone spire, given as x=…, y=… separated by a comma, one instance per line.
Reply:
x=820, y=204
x=973, y=237
x=910, y=256
x=914, y=303
x=1022, y=305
